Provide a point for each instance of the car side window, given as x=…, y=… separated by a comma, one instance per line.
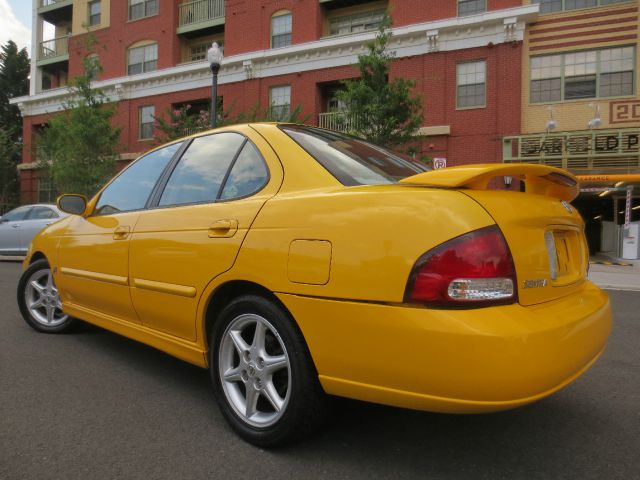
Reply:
x=42, y=213
x=248, y=174
x=200, y=172
x=131, y=189
x=17, y=214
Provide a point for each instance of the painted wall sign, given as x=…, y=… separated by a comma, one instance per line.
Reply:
x=580, y=144
x=624, y=111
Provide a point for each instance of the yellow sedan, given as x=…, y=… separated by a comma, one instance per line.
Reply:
x=295, y=262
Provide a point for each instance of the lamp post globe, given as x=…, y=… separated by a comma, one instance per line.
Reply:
x=214, y=55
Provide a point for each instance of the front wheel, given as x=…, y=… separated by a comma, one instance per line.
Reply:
x=39, y=301
x=264, y=380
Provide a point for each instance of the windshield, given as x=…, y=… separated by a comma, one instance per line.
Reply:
x=351, y=160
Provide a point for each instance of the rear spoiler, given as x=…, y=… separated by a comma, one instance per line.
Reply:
x=539, y=179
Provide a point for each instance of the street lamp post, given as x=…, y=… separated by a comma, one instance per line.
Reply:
x=214, y=55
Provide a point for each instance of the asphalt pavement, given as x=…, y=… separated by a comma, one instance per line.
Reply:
x=93, y=405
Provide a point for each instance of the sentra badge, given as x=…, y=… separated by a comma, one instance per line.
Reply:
x=535, y=283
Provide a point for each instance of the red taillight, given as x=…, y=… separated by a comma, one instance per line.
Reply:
x=472, y=269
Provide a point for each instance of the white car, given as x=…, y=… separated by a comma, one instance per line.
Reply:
x=20, y=225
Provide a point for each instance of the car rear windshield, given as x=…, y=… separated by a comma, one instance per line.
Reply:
x=351, y=160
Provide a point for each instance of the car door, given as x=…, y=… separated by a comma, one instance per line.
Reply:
x=202, y=216
x=39, y=217
x=11, y=230
x=93, y=256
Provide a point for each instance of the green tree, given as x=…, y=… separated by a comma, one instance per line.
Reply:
x=14, y=82
x=79, y=147
x=185, y=120
x=9, y=150
x=381, y=111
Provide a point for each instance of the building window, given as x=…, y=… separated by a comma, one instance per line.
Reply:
x=471, y=7
x=95, y=9
x=92, y=67
x=142, y=59
x=550, y=6
x=281, y=29
x=616, y=71
x=471, y=84
x=589, y=74
x=198, y=51
x=580, y=75
x=146, y=120
x=280, y=102
x=142, y=8
x=546, y=78
x=355, y=23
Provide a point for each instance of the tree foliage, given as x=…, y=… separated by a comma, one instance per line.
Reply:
x=79, y=147
x=380, y=110
x=183, y=121
x=14, y=82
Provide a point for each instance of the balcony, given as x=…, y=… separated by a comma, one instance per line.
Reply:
x=200, y=15
x=55, y=11
x=53, y=51
x=339, y=121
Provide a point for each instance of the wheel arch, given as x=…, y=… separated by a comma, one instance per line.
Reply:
x=232, y=289
x=37, y=256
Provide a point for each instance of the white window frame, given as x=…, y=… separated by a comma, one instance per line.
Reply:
x=464, y=73
x=482, y=7
x=280, y=101
x=145, y=9
x=149, y=55
x=277, y=17
x=90, y=16
x=144, y=111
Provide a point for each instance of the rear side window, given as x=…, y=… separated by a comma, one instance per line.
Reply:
x=351, y=160
x=199, y=174
x=248, y=174
x=42, y=213
x=131, y=189
x=18, y=214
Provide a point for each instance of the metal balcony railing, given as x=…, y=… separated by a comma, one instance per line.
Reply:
x=47, y=3
x=200, y=11
x=53, y=48
x=339, y=121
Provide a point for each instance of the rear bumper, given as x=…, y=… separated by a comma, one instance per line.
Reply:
x=462, y=361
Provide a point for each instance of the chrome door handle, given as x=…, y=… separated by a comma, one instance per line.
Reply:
x=15, y=225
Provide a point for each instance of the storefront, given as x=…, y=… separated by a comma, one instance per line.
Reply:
x=607, y=162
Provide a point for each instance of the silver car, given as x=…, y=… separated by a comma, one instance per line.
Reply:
x=20, y=225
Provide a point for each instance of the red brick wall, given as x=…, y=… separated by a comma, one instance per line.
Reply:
x=406, y=12
x=111, y=43
x=248, y=23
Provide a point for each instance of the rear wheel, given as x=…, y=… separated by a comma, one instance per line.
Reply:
x=263, y=376
x=39, y=301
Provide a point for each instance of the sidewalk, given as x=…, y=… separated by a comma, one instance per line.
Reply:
x=615, y=277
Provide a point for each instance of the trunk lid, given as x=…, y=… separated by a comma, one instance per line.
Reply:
x=544, y=233
x=545, y=238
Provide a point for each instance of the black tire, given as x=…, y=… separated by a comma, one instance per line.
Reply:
x=39, y=318
x=304, y=403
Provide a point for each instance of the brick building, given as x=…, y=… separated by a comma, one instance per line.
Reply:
x=465, y=56
x=580, y=108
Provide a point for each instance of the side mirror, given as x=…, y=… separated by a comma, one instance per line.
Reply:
x=72, y=204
